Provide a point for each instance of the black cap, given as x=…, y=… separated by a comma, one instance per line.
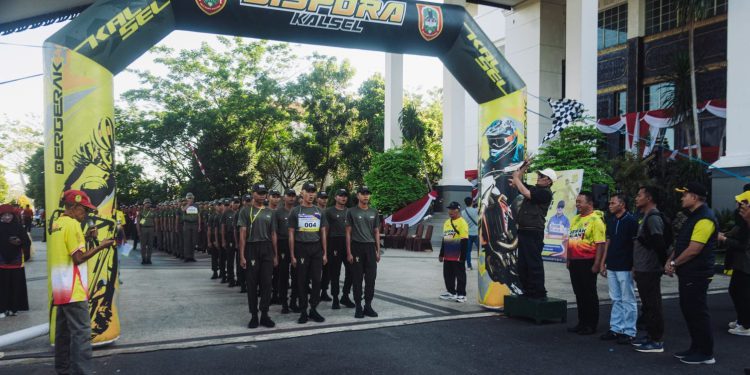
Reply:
x=227, y=201
x=309, y=187
x=218, y=202
x=454, y=206
x=260, y=189
x=341, y=192
x=695, y=188
x=323, y=195
x=247, y=197
x=274, y=192
x=236, y=199
x=363, y=190
x=290, y=192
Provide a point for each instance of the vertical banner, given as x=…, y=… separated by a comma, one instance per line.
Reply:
x=502, y=128
x=79, y=139
x=562, y=209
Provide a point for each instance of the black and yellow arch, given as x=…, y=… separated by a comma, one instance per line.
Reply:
x=81, y=59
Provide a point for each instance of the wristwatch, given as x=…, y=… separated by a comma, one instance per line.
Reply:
x=672, y=264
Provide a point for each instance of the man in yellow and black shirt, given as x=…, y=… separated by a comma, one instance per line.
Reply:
x=693, y=262
x=452, y=252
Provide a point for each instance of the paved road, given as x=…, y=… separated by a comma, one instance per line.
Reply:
x=495, y=345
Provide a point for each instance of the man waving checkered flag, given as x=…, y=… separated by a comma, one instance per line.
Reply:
x=564, y=111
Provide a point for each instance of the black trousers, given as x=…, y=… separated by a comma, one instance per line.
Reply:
x=215, y=251
x=259, y=257
x=336, y=258
x=454, y=275
x=285, y=270
x=649, y=289
x=739, y=290
x=229, y=259
x=240, y=272
x=309, y=271
x=694, y=305
x=223, y=261
x=365, y=267
x=584, y=287
x=530, y=263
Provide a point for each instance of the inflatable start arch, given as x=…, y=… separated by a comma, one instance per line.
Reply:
x=81, y=59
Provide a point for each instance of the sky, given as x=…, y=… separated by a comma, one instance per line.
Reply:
x=23, y=100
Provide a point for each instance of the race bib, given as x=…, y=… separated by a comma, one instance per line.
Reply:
x=309, y=223
x=192, y=210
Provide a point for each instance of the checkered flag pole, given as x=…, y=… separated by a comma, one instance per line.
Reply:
x=564, y=112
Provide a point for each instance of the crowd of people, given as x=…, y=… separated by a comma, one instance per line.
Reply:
x=635, y=249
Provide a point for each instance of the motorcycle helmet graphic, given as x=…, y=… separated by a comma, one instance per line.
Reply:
x=502, y=137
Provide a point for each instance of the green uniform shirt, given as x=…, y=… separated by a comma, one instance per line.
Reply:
x=191, y=214
x=259, y=222
x=363, y=224
x=307, y=223
x=336, y=222
x=281, y=217
x=146, y=218
x=228, y=220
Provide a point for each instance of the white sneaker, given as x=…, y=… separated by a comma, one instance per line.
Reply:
x=739, y=330
x=2, y=315
x=461, y=299
x=733, y=325
x=448, y=296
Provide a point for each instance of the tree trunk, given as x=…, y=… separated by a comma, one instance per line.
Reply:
x=693, y=89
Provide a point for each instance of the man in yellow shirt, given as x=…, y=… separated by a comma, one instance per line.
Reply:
x=452, y=252
x=67, y=256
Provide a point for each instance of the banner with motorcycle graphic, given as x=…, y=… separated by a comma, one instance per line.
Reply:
x=79, y=139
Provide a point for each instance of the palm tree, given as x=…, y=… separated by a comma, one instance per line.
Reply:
x=679, y=99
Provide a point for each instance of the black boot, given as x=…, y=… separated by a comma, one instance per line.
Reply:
x=335, y=305
x=215, y=276
x=358, y=312
x=265, y=321
x=253, y=322
x=346, y=301
x=324, y=296
x=284, y=308
x=369, y=311
x=293, y=306
x=243, y=288
x=232, y=283
x=224, y=280
x=316, y=317
x=302, y=317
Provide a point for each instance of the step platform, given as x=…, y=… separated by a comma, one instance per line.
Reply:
x=539, y=310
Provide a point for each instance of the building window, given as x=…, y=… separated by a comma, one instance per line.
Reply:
x=662, y=15
x=613, y=26
x=656, y=95
x=621, y=102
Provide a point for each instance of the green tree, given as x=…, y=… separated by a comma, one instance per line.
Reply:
x=395, y=179
x=580, y=146
x=34, y=168
x=3, y=185
x=422, y=127
x=366, y=133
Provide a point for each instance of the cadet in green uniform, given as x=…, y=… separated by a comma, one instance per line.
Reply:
x=203, y=227
x=145, y=225
x=322, y=203
x=307, y=248
x=178, y=229
x=157, y=227
x=336, y=217
x=247, y=203
x=190, y=222
x=363, y=250
x=280, y=216
x=215, y=238
x=258, y=255
x=274, y=197
x=228, y=240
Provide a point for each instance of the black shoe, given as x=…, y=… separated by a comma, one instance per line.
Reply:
x=325, y=297
x=215, y=276
x=293, y=306
x=346, y=301
x=683, y=354
x=232, y=283
x=223, y=280
x=191, y=260
x=253, y=322
x=335, y=305
x=243, y=288
x=610, y=336
x=284, y=309
x=143, y=262
x=574, y=329
x=358, y=312
x=149, y=262
x=316, y=317
x=302, y=318
x=370, y=312
x=625, y=340
x=265, y=321
x=585, y=331
x=275, y=301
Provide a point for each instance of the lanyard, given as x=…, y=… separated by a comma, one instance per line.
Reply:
x=252, y=218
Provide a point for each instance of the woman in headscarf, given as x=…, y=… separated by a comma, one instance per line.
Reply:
x=13, y=239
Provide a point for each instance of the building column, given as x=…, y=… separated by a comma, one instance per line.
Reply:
x=581, y=52
x=737, y=158
x=394, y=99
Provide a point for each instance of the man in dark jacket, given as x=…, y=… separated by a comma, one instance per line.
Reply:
x=737, y=242
x=531, y=218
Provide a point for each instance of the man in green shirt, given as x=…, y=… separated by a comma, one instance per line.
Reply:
x=307, y=248
x=363, y=250
x=145, y=226
x=280, y=216
x=190, y=222
x=228, y=239
x=258, y=255
x=336, y=217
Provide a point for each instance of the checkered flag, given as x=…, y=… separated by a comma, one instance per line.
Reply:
x=564, y=111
